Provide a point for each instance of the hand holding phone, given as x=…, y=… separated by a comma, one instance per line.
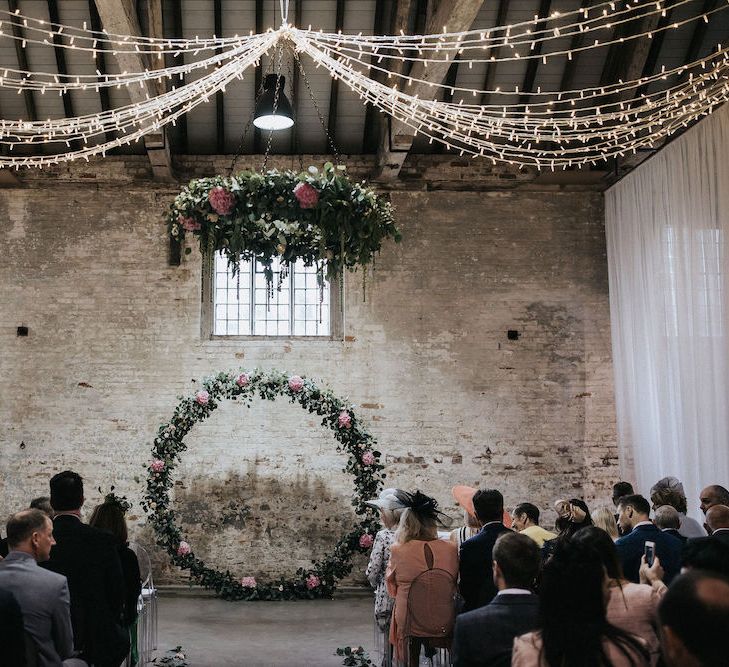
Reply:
x=650, y=553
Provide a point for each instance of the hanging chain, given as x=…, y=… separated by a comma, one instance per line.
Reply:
x=279, y=53
x=330, y=139
x=284, y=4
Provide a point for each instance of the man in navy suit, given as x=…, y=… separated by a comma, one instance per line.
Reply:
x=634, y=518
x=476, y=575
x=717, y=519
x=667, y=520
x=484, y=637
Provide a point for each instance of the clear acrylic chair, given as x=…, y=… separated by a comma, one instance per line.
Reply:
x=146, y=606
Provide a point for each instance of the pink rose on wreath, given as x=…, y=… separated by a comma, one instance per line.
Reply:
x=183, y=549
x=345, y=419
x=221, y=200
x=296, y=383
x=368, y=458
x=189, y=224
x=248, y=582
x=307, y=195
x=202, y=397
x=366, y=541
x=312, y=581
x=157, y=465
x=242, y=380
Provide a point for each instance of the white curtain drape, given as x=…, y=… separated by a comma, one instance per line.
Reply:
x=667, y=226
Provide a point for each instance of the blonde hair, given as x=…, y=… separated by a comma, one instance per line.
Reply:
x=391, y=518
x=411, y=527
x=604, y=518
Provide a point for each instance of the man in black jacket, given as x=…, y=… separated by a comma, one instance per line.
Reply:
x=484, y=637
x=88, y=559
x=476, y=574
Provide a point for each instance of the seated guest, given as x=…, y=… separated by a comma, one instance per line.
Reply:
x=574, y=630
x=484, y=637
x=525, y=519
x=668, y=520
x=109, y=517
x=88, y=558
x=631, y=607
x=390, y=505
x=415, y=552
x=694, y=617
x=464, y=497
x=11, y=630
x=669, y=491
x=619, y=490
x=476, y=556
x=713, y=495
x=44, y=505
x=42, y=595
x=717, y=519
x=604, y=518
x=706, y=553
x=634, y=518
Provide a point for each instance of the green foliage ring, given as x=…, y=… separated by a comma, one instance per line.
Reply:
x=363, y=464
x=320, y=217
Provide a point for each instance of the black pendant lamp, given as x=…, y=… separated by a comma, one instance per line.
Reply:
x=270, y=116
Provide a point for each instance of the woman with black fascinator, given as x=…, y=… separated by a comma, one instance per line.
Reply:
x=421, y=576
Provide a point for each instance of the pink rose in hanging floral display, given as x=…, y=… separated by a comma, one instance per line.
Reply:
x=188, y=224
x=221, y=200
x=307, y=195
x=296, y=383
x=157, y=465
x=242, y=380
x=368, y=458
x=345, y=419
x=312, y=581
x=248, y=582
x=183, y=549
x=366, y=541
x=202, y=397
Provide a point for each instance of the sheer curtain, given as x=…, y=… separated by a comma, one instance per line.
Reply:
x=667, y=226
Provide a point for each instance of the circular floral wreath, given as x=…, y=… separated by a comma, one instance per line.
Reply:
x=363, y=464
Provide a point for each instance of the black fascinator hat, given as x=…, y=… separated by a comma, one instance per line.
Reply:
x=425, y=508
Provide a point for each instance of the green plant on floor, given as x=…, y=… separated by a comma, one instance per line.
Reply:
x=173, y=658
x=362, y=462
x=354, y=656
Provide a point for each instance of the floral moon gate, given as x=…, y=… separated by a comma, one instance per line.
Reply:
x=363, y=464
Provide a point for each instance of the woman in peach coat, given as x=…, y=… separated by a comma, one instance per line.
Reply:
x=417, y=550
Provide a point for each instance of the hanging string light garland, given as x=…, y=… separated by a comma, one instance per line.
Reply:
x=551, y=129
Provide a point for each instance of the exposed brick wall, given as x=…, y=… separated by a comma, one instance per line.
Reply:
x=115, y=338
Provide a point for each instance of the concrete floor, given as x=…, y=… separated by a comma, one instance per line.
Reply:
x=215, y=633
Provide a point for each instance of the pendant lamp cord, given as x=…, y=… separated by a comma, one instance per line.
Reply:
x=284, y=4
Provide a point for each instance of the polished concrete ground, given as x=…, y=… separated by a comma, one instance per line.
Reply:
x=215, y=633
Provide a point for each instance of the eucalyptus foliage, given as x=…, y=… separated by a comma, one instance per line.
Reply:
x=344, y=229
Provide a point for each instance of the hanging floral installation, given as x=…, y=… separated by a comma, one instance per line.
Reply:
x=319, y=217
x=543, y=128
x=362, y=463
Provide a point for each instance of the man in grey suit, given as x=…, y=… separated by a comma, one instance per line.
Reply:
x=42, y=595
x=484, y=637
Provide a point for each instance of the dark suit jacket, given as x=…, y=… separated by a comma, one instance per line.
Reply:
x=476, y=577
x=676, y=534
x=88, y=558
x=12, y=639
x=632, y=547
x=722, y=535
x=484, y=637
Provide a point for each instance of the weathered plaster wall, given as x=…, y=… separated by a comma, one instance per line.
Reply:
x=115, y=338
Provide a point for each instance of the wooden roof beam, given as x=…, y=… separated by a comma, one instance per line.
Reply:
x=119, y=16
x=334, y=90
x=22, y=60
x=396, y=138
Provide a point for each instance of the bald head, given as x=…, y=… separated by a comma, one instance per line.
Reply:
x=713, y=495
x=694, y=615
x=717, y=517
x=667, y=517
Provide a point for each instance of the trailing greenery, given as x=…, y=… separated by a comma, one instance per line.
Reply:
x=317, y=581
x=354, y=656
x=322, y=218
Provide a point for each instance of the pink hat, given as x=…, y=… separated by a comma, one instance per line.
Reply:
x=464, y=497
